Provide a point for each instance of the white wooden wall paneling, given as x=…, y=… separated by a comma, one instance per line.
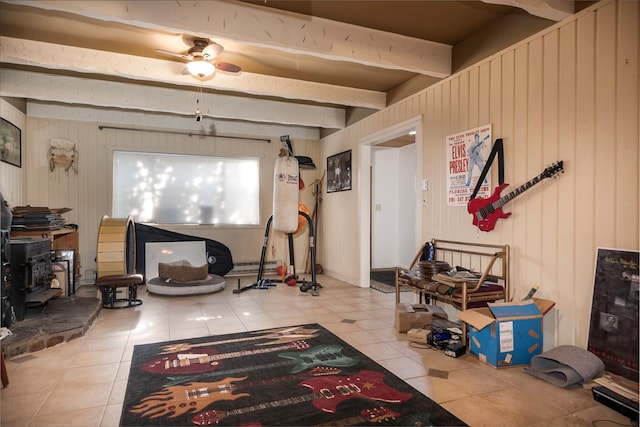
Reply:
x=604, y=111
x=508, y=129
x=566, y=286
x=88, y=193
x=585, y=168
x=449, y=227
x=88, y=196
x=557, y=96
x=494, y=114
x=516, y=153
x=627, y=125
x=37, y=183
x=12, y=178
x=570, y=93
x=530, y=201
x=550, y=219
x=441, y=109
x=432, y=124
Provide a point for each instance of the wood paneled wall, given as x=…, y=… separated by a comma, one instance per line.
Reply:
x=88, y=193
x=568, y=93
x=12, y=177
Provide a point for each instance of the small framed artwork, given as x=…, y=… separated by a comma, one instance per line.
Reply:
x=68, y=255
x=61, y=269
x=339, y=172
x=10, y=143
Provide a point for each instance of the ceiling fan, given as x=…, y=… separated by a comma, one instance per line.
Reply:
x=201, y=56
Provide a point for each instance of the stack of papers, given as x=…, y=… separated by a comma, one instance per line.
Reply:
x=28, y=218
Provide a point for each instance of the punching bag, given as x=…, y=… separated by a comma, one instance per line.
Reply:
x=285, y=194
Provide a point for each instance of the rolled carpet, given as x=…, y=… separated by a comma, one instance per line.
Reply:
x=566, y=365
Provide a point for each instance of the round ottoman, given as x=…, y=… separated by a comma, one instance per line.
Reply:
x=212, y=283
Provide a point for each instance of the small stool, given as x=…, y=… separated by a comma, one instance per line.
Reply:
x=109, y=286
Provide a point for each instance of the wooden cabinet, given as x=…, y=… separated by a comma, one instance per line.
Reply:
x=63, y=239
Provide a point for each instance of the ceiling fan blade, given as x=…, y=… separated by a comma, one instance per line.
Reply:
x=213, y=49
x=225, y=66
x=176, y=55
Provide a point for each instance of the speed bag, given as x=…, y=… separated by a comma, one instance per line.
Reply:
x=285, y=195
x=301, y=219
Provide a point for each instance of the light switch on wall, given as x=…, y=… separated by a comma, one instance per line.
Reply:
x=425, y=185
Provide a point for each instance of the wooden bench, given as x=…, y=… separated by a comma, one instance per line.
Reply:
x=488, y=281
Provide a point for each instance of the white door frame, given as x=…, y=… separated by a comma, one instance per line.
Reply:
x=365, y=148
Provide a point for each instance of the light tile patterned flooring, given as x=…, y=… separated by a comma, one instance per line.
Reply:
x=82, y=382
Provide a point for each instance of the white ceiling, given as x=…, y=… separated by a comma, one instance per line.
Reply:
x=311, y=64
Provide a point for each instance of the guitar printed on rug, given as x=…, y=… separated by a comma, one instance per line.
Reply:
x=487, y=211
x=208, y=359
x=319, y=356
x=327, y=393
x=294, y=375
x=276, y=336
x=176, y=400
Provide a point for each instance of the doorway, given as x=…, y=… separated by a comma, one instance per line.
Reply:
x=393, y=208
x=389, y=204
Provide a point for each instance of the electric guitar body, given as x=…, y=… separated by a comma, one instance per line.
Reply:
x=476, y=206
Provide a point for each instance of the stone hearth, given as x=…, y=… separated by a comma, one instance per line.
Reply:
x=61, y=320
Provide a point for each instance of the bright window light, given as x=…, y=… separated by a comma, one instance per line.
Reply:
x=185, y=189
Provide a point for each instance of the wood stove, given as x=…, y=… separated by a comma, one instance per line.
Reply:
x=6, y=310
x=31, y=274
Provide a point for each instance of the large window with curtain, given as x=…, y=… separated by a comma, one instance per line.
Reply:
x=185, y=189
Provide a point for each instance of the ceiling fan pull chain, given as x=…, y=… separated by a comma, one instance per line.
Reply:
x=198, y=109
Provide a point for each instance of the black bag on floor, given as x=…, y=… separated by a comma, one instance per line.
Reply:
x=218, y=255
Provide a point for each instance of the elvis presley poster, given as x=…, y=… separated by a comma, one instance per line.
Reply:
x=467, y=152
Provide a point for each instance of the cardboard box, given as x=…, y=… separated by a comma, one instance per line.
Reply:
x=418, y=335
x=506, y=334
x=416, y=316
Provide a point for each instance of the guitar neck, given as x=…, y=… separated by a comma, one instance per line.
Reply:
x=524, y=187
x=277, y=403
x=242, y=353
x=242, y=370
x=205, y=359
x=226, y=386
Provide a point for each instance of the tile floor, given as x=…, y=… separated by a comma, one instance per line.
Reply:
x=82, y=382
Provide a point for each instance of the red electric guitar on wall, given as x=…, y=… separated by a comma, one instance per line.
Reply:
x=486, y=211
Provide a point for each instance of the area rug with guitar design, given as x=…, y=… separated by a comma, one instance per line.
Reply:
x=291, y=376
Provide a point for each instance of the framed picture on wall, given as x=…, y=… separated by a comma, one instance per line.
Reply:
x=339, y=172
x=10, y=143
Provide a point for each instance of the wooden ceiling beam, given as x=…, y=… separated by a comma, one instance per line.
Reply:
x=143, y=119
x=265, y=27
x=554, y=10
x=81, y=60
x=81, y=91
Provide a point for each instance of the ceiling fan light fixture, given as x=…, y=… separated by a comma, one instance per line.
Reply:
x=201, y=69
